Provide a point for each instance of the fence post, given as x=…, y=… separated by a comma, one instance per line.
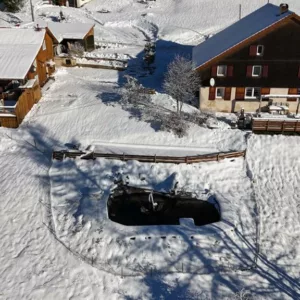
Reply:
x=218, y=157
x=155, y=158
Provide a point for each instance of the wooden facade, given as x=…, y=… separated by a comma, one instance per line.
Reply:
x=88, y=41
x=277, y=63
x=280, y=61
x=41, y=66
x=25, y=102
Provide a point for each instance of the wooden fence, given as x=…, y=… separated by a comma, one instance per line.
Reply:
x=98, y=66
x=275, y=126
x=60, y=155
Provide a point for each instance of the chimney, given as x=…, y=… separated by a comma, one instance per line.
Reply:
x=284, y=7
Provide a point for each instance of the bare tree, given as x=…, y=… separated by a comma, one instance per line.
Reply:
x=75, y=49
x=181, y=81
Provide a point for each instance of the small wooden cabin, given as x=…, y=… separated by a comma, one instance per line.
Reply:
x=26, y=59
x=64, y=34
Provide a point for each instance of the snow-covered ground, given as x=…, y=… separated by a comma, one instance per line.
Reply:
x=79, y=192
x=56, y=239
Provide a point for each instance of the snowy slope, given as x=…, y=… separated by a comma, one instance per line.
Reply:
x=47, y=253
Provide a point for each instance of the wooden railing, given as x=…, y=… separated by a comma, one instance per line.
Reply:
x=276, y=126
x=60, y=155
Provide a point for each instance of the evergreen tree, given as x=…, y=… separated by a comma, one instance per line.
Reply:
x=13, y=5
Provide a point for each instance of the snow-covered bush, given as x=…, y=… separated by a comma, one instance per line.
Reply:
x=134, y=93
x=172, y=122
x=181, y=81
x=243, y=295
x=75, y=49
x=13, y=5
x=199, y=117
x=135, y=96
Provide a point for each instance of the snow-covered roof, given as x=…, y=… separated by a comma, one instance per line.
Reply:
x=18, y=49
x=243, y=29
x=73, y=31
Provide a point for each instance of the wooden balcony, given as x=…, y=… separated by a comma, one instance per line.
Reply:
x=15, y=104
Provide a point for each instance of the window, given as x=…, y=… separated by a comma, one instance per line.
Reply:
x=221, y=71
x=256, y=71
x=44, y=45
x=220, y=91
x=251, y=93
x=260, y=50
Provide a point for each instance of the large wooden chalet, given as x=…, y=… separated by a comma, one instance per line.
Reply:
x=258, y=55
x=70, y=3
x=26, y=60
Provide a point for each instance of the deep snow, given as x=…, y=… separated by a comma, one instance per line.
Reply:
x=55, y=239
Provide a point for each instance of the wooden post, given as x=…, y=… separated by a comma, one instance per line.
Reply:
x=240, y=11
x=297, y=110
x=259, y=108
x=32, y=11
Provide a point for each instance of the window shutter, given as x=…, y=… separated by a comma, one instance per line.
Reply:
x=214, y=71
x=227, y=95
x=212, y=93
x=265, y=91
x=240, y=93
x=299, y=72
x=230, y=71
x=252, y=50
x=292, y=91
x=265, y=71
x=249, y=71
